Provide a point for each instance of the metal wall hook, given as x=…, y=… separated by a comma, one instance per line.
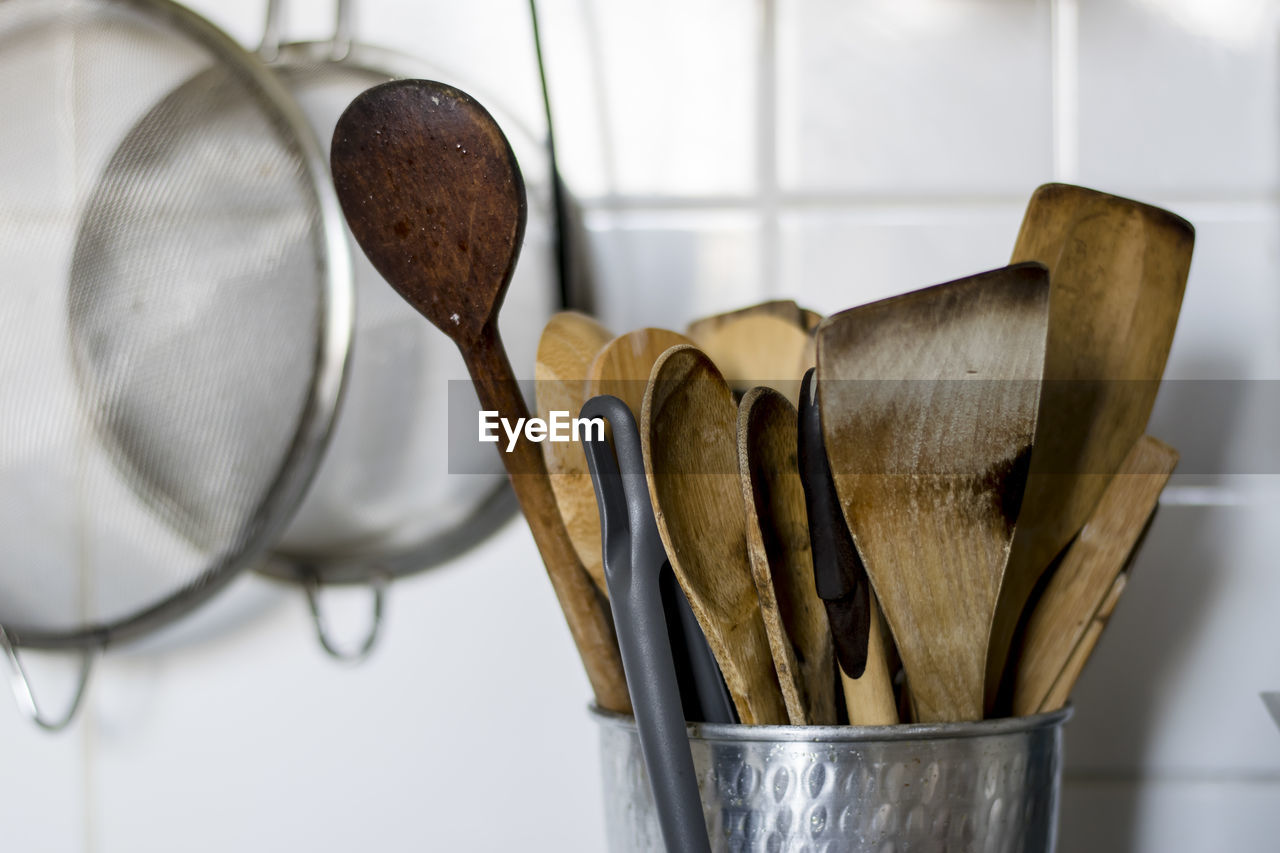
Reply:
x=378, y=586
x=20, y=683
x=339, y=41
x=269, y=47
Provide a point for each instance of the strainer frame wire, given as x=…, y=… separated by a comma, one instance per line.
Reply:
x=324, y=395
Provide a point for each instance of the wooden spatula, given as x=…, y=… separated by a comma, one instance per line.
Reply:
x=622, y=368
x=569, y=344
x=783, y=309
x=781, y=563
x=768, y=345
x=1074, y=600
x=1117, y=270
x=928, y=411
x=688, y=429
x=1066, y=680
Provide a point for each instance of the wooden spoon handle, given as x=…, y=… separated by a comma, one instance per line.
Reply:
x=869, y=699
x=588, y=619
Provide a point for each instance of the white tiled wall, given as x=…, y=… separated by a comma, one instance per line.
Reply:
x=728, y=152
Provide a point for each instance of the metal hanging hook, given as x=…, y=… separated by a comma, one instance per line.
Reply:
x=20, y=683
x=269, y=47
x=339, y=41
x=377, y=586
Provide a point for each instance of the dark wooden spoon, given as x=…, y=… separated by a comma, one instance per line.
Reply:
x=432, y=192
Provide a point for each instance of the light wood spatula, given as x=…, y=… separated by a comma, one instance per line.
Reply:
x=688, y=430
x=781, y=563
x=1078, y=599
x=1117, y=270
x=928, y=411
x=769, y=345
x=622, y=368
x=569, y=344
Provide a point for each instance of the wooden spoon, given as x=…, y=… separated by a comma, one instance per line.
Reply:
x=569, y=344
x=929, y=453
x=433, y=195
x=769, y=345
x=1118, y=269
x=781, y=562
x=687, y=427
x=622, y=367
x=1073, y=601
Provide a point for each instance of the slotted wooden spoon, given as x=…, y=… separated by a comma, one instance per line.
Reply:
x=781, y=562
x=1117, y=269
x=688, y=430
x=569, y=344
x=928, y=411
x=1082, y=592
x=435, y=199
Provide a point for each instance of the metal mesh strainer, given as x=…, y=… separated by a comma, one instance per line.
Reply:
x=176, y=315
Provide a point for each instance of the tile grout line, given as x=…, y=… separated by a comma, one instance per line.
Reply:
x=767, y=199
x=1064, y=37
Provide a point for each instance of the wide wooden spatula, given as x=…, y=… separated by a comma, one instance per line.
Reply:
x=1077, y=601
x=1117, y=270
x=928, y=412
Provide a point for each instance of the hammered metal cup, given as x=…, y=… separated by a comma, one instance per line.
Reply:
x=987, y=787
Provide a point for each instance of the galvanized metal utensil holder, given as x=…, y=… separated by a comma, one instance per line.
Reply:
x=989, y=786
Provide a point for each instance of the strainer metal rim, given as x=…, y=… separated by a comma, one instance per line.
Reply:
x=323, y=397
x=498, y=505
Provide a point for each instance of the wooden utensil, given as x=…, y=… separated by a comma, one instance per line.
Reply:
x=928, y=411
x=569, y=344
x=784, y=309
x=434, y=197
x=777, y=532
x=841, y=580
x=1066, y=680
x=769, y=344
x=1117, y=269
x=688, y=429
x=1073, y=603
x=622, y=368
